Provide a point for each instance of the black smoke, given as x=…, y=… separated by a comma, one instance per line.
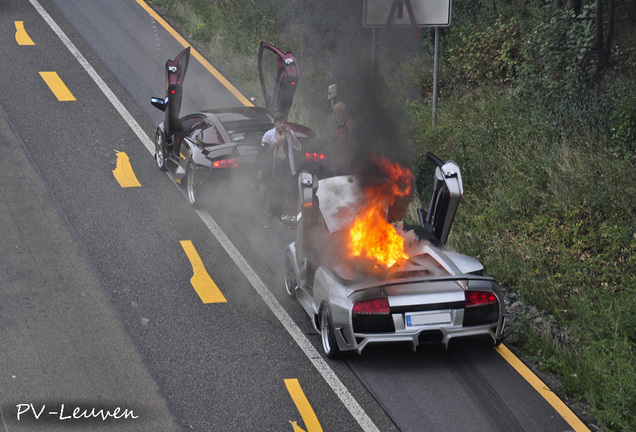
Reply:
x=329, y=36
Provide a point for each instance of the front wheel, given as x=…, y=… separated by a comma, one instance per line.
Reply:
x=327, y=334
x=160, y=150
x=290, y=278
x=498, y=341
x=191, y=185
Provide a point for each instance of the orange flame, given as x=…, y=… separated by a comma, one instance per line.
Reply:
x=371, y=235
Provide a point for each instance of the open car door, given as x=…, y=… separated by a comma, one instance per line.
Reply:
x=171, y=105
x=442, y=196
x=278, y=73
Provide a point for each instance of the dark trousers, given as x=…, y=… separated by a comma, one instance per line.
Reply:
x=280, y=194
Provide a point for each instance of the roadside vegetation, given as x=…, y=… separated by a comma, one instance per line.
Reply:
x=537, y=104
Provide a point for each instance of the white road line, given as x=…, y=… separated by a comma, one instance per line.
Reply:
x=6, y=428
x=312, y=354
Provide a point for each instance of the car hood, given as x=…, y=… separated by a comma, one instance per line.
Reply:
x=340, y=198
x=425, y=263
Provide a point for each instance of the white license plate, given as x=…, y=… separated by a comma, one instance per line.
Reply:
x=427, y=318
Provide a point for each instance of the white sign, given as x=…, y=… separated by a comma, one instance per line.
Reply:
x=426, y=13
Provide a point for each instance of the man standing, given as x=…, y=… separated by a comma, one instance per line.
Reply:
x=344, y=144
x=279, y=144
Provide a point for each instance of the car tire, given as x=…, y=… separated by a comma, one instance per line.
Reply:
x=161, y=155
x=327, y=334
x=290, y=278
x=191, y=185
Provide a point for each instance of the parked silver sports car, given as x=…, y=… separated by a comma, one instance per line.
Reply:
x=430, y=295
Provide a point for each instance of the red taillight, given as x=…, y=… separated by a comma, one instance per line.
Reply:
x=225, y=163
x=480, y=298
x=314, y=157
x=379, y=306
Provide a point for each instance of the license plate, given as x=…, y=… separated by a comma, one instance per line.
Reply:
x=427, y=318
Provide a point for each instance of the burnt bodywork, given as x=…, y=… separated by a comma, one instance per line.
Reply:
x=434, y=296
x=212, y=144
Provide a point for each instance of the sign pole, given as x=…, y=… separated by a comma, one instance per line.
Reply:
x=435, y=74
x=374, y=45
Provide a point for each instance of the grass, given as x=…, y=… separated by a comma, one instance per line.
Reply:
x=554, y=220
x=548, y=163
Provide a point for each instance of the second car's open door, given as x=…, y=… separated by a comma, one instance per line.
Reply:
x=440, y=188
x=278, y=73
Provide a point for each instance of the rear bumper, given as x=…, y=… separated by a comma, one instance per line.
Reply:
x=349, y=341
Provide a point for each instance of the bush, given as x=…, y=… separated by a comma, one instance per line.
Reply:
x=622, y=122
x=488, y=54
x=558, y=51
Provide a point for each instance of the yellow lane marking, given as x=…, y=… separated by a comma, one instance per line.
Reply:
x=296, y=427
x=306, y=412
x=196, y=54
x=565, y=412
x=59, y=89
x=21, y=36
x=201, y=280
x=124, y=173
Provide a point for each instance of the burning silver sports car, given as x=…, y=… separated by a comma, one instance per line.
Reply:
x=364, y=279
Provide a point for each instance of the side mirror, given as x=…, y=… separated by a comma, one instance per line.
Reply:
x=332, y=93
x=305, y=186
x=159, y=103
x=421, y=214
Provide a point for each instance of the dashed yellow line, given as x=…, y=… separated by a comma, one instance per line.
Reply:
x=304, y=408
x=196, y=54
x=21, y=36
x=201, y=280
x=59, y=89
x=124, y=173
x=565, y=412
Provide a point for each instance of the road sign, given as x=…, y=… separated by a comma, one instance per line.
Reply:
x=425, y=13
x=408, y=13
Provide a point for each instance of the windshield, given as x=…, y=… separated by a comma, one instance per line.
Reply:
x=247, y=130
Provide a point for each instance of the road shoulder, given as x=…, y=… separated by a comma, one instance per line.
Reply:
x=64, y=350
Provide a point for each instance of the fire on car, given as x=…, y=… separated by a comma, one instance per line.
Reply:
x=365, y=278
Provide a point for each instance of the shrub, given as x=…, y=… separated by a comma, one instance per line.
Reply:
x=558, y=51
x=488, y=54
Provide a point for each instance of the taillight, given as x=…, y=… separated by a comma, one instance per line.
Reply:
x=479, y=298
x=225, y=163
x=314, y=157
x=379, y=306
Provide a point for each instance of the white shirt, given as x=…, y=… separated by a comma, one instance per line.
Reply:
x=271, y=137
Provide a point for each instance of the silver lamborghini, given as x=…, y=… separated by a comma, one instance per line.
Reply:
x=430, y=295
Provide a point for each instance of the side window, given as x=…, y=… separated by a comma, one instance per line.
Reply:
x=425, y=184
x=278, y=74
x=210, y=135
x=272, y=66
x=440, y=189
x=189, y=124
x=197, y=133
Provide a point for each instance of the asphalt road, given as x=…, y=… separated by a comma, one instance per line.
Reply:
x=97, y=309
